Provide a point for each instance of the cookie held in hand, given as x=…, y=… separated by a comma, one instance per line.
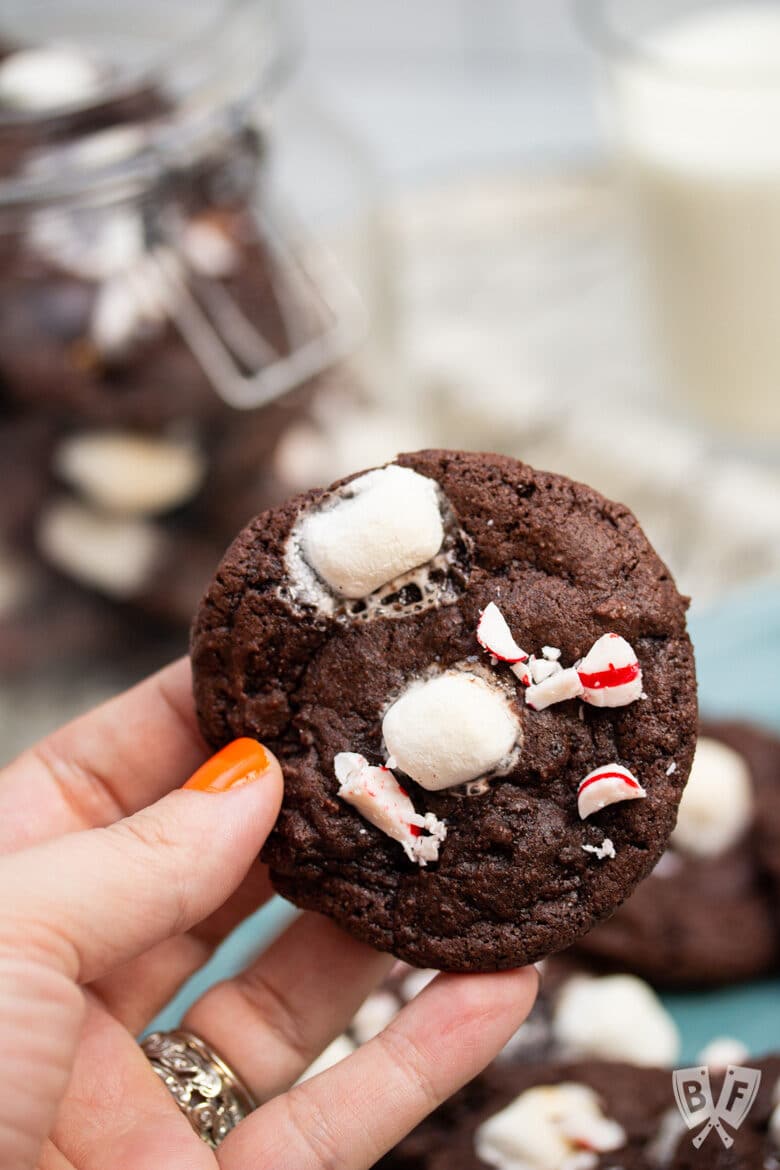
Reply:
x=367, y=633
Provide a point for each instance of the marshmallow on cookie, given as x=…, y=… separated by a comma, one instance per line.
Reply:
x=717, y=803
x=115, y=554
x=550, y=1127
x=44, y=78
x=128, y=473
x=380, y=526
x=614, y=1017
x=451, y=728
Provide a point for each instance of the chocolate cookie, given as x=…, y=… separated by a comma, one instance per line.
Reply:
x=706, y=915
x=585, y=1116
x=356, y=632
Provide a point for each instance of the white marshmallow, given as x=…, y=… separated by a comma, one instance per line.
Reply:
x=130, y=473
x=383, y=524
x=449, y=729
x=115, y=319
x=129, y=305
x=41, y=79
x=115, y=555
x=373, y=1016
x=560, y=686
x=107, y=242
x=608, y=784
x=609, y=654
x=717, y=803
x=723, y=1051
x=616, y=1017
x=550, y=1127
x=209, y=249
x=107, y=147
x=378, y=797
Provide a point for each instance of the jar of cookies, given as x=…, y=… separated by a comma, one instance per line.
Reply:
x=160, y=334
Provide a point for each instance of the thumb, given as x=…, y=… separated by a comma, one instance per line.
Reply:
x=89, y=901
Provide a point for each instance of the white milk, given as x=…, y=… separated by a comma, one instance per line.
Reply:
x=698, y=121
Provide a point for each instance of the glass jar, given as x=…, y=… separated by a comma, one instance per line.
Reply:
x=159, y=334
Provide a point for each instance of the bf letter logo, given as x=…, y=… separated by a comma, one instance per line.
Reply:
x=693, y=1094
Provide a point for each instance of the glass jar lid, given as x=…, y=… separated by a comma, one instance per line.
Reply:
x=106, y=99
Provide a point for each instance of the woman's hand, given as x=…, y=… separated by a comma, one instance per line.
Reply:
x=114, y=893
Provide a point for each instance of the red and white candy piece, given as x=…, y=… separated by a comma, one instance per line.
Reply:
x=607, y=785
x=495, y=636
x=610, y=673
x=542, y=668
x=557, y=688
x=378, y=797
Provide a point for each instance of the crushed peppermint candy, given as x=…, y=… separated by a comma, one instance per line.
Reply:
x=605, y=849
x=610, y=673
x=608, y=676
x=494, y=635
x=607, y=785
x=377, y=795
x=670, y=771
x=522, y=672
x=560, y=686
x=542, y=668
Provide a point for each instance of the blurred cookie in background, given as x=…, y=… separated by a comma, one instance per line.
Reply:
x=576, y=1015
x=706, y=915
x=588, y=1115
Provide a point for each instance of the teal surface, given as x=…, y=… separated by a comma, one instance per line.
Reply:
x=738, y=660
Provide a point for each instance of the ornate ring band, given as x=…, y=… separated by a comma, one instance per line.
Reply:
x=206, y=1089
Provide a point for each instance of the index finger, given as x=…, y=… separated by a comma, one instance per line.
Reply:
x=350, y=1115
x=104, y=765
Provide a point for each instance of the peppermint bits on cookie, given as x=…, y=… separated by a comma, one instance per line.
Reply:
x=439, y=616
x=495, y=636
x=610, y=673
x=556, y=688
x=607, y=785
x=377, y=795
x=608, y=676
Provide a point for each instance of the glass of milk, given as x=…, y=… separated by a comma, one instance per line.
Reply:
x=693, y=94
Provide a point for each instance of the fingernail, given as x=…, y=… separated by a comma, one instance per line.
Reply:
x=236, y=764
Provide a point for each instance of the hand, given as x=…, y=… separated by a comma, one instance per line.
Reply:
x=111, y=901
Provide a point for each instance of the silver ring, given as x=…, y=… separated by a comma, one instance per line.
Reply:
x=204, y=1087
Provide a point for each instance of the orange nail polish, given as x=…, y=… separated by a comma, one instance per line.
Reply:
x=236, y=764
